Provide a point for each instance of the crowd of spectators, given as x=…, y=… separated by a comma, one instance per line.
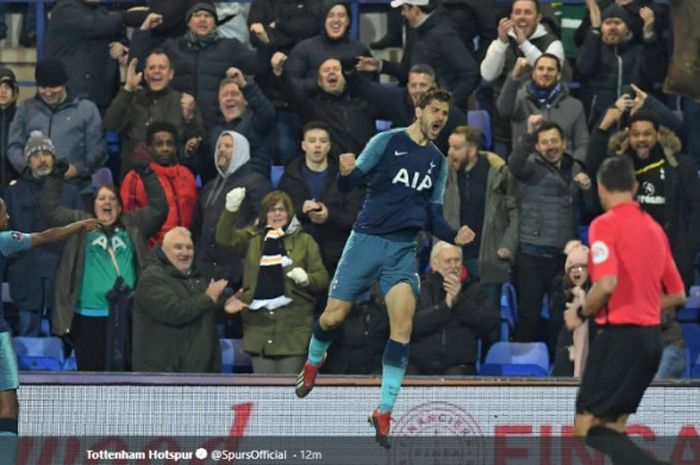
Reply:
x=212, y=247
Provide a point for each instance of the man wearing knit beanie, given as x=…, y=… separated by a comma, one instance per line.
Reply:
x=40, y=154
x=31, y=275
x=611, y=58
x=201, y=6
x=615, y=24
x=51, y=80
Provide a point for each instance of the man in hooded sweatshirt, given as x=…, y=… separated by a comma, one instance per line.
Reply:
x=177, y=181
x=232, y=156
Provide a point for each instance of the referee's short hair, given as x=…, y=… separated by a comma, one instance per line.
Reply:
x=616, y=174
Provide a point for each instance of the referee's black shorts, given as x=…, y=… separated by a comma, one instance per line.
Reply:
x=621, y=364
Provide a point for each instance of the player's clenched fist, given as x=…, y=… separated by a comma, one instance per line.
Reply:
x=464, y=236
x=347, y=163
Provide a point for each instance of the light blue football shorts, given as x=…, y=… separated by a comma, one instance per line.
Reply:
x=370, y=258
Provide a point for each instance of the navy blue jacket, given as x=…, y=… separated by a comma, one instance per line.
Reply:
x=26, y=272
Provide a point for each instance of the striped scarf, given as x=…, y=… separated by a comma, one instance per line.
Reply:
x=269, y=289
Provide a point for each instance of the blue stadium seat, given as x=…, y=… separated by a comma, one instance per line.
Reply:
x=481, y=120
x=517, y=359
x=39, y=353
x=509, y=311
x=242, y=363
x=101, y=177
x=382, y=125
x=276, y=172
x=691, y=334
x=233, y=359
x=27, y=363
x=695, y=372
x=113, y=143
x=690, y=313
x=228, y=355
x=71, y=363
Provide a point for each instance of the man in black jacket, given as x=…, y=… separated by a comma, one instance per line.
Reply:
x=83, y=35
x=284, y=23
x=611, y=58
x=333, y=40
x=669, y=188
x=350, y=120
x=450, y=317
x=401, y=101
x=436, y=44
x=325, y=212
x=31, y=275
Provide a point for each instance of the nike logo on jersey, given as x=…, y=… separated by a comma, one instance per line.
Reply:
x=398, y=154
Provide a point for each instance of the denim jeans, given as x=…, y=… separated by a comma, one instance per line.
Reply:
x=672, y=362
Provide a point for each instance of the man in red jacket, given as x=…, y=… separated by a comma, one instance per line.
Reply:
x=177, y=181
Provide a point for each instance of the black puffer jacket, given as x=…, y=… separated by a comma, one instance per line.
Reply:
x=438, y=45
x=307, y=55
x=79, y=34
x=351, y=120
x=605, y=70
x=295, y=20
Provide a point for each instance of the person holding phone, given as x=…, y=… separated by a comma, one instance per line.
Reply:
x=611, y=58
x=324, y=211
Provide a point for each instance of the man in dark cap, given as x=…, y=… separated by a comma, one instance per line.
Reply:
x=636, y=23
x=9, y=91
x=73, y=123
x=610, y=58
x=201, y=57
